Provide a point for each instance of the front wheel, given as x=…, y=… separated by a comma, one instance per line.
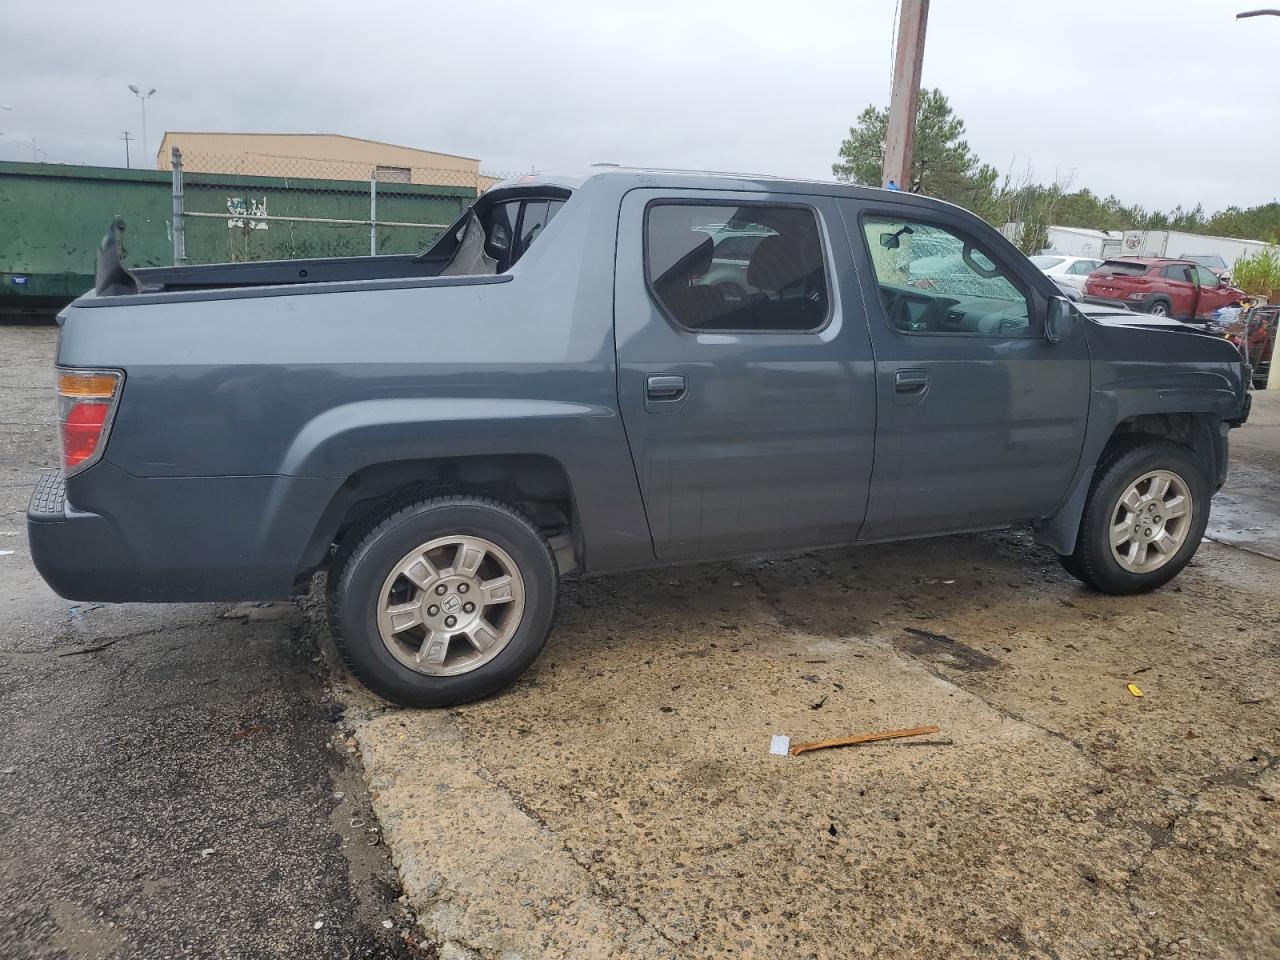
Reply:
x=1159, y=308
x=1144, y=519
x=443, y=601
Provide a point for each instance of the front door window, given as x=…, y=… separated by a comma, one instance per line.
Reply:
x=935, y=281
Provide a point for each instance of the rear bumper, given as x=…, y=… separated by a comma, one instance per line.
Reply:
x=114, y=537
x=78, y=554
x=1108, y=302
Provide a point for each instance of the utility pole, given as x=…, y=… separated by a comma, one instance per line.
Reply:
x=900, y=140
x=126, y=138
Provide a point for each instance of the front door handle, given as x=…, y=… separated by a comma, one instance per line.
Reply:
x=664, y=387
x=910, y=381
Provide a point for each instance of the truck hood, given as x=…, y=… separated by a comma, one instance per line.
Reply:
x=1114, y=316
x=1160, y=336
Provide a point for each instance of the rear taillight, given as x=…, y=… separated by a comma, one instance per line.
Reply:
x=86, y=403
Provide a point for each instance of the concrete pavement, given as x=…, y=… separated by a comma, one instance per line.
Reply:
x=619, y=801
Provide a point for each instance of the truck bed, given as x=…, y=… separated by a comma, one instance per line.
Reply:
x=270, y=273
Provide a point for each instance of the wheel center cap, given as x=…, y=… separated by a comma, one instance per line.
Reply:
x=451, y=603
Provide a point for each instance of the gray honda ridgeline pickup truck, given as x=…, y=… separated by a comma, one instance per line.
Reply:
x=602, y=372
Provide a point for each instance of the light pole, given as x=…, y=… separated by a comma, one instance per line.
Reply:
x=143, y=97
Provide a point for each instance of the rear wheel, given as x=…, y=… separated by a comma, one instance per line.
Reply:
x=1144, y=519
x=443, y=601
x=1158, y=308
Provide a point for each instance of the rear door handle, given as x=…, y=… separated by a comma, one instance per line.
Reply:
x=910, y=381
x=664, y=387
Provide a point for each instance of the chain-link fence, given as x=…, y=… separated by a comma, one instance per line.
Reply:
x=229, y=208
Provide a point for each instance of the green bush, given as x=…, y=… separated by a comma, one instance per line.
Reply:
x=1258, y=273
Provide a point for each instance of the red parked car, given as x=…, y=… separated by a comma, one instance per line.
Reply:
x=1167, y=288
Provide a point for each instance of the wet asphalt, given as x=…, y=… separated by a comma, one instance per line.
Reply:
x=174, y=781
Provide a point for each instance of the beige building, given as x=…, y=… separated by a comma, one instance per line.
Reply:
x=322, y=156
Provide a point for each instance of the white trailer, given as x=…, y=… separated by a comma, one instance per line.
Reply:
x=1176, y=244
x=1179, y=245
x=1074, y=241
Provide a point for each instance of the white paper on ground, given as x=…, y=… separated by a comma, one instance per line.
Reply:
x=779, y=745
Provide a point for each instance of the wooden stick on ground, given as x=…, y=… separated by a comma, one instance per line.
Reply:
x=861, y=738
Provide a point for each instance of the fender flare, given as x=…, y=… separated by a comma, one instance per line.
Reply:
x=345, y=439
x=1116, y=404
x=585, y=441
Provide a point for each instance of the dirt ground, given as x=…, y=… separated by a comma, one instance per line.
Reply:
x=621, y=801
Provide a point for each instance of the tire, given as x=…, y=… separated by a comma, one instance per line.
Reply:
x=402, y=559
x=1159, y=308
x=1094, y=560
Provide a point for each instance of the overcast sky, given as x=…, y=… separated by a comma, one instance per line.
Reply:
x=1158, y=102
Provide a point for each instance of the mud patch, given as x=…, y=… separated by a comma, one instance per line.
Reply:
x=941, y=651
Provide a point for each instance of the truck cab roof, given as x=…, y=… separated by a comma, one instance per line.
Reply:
x=574, y=178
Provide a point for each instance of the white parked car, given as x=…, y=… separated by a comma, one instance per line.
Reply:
x=1067, y=272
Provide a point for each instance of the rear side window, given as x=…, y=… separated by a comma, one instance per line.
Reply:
x=1178, y=272
x=935, y=281
x=513, y=226
x=1082, y=267
x=537, y=214
x=754, y=267
x=1122, y=268
x=500, y=233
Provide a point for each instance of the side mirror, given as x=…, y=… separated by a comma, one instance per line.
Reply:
x=891, y=241
x=1059, y=321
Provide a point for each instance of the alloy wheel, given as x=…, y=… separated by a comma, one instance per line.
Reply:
x=1151, y=521
x=450, y=605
